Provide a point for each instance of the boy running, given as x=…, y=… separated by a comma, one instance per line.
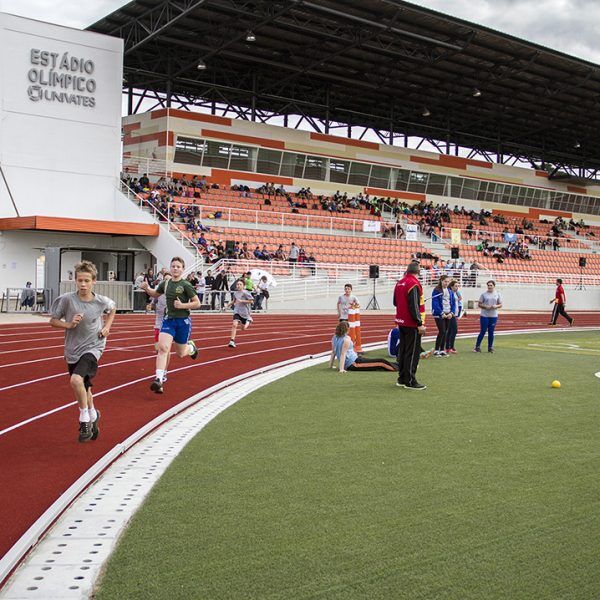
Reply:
x=177, y=326
x=80, y=315
x=242, y=300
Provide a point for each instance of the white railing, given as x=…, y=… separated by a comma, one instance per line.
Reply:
x=164, y=221
x=545, y=242
x=136, y=166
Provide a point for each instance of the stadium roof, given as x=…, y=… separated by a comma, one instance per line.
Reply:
x=384, y=64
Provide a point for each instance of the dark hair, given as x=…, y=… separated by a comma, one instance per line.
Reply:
x=491, y=281
x=413, y=268
x=342, y=329
x=559, y=281
x=439, y=283
x=178, y=259
x=348, y=285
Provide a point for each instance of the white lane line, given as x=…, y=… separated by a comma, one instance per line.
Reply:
x=152, y=356
x=146, y=378
x=148, y=345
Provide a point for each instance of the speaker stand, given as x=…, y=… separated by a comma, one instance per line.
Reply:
x=373, y=304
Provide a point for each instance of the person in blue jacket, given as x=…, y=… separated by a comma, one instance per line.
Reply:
x=442, y=310
x=457, y=312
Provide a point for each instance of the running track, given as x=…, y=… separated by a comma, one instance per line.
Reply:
x=39, y=453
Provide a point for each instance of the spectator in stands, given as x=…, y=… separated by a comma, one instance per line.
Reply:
x=280, y=253
x=144, y=181
x=258, y=255
x=265, y=253
x=209, y=282
x=27, y=296
x=244, y=252
x=219, y=291
x=200, y=286
x=294, y=253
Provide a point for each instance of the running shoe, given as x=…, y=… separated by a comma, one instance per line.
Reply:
x=571, y=322
x=436, y=353
x=415, y=386
x=476, y=349
x=491, y=350
x=442, y=354
x=157, y=386
x=85, y=432
x=95, y=428
x=231, y=344
x=452, y=351
x=194, y=354
x=401, y=384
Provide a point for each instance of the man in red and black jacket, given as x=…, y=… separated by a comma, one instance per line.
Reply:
x=410, y=318
x=559, y=302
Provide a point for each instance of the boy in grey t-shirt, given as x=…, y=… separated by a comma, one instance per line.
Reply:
x=80, y=314
x=242, y=301
x=345, y=301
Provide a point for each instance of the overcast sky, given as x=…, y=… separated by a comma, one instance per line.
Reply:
x=571, y=26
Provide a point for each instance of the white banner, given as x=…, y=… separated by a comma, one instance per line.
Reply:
x=372, y=226
x=411, y=232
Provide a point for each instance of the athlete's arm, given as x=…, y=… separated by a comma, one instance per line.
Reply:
x=60, y=324
x=108, y=323
x=345, y=347
x=150, y=291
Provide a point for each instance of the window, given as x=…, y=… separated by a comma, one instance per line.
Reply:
x=242, y=158
x=292, y=164
x=380, y=177
x=453, y=186
x=359, y=173
x=402, y=178
x=216, y=155
x=339, y=170
x=436, y=184
x=470, y=189
x=268, y=161
x=418, y=182
x=316, y=168
x=189, y=151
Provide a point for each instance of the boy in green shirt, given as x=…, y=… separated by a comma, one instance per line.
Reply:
x=177, y=325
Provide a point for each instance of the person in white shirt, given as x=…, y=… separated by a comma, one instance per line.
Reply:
x=345, y=301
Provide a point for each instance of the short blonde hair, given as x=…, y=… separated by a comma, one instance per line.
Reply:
x=86, y=266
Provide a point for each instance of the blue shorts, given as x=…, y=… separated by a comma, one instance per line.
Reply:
x=179, y=329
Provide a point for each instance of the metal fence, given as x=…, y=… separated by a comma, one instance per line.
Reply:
x=119, y=291
x=21, y=300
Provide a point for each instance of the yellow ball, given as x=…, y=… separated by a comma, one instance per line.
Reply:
x=555, y=383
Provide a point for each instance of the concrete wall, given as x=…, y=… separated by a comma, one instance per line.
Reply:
x=60, y=150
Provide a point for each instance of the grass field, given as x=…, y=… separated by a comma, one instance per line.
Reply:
x=337, y=486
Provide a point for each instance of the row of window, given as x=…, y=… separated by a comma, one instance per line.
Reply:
x=223, y=155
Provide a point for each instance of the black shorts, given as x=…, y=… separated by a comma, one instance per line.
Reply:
x=86, y=367
x=242, y=320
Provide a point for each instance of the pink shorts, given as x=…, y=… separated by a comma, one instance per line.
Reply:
x=156, y=333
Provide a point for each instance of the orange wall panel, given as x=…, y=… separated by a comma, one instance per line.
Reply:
x=344, y=141
x=190, y=116
x=395, y=194
x=248, y=139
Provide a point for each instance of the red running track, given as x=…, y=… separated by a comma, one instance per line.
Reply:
x=40, y=456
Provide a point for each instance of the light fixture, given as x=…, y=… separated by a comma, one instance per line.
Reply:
x=250, y=37
x=425, y=112
x=577, y=144
x=476, y=92
x=201, y=66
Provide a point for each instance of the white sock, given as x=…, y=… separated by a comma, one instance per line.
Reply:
x=84, y=415
x=160, y=374
x=93, y=414
x=190, y=349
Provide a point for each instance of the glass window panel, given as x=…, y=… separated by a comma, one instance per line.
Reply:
x=436, y=184
x=469, y=189
x=216, y=155
x=268, y=161
x=292, y=164
x=188, y=151
x=316, y=168
x=402, y=178
x=491, y=191
x=242, y=158
x=454, y=186
x=418, y=182
x=483, y=186
x=339, y=170
x=359, y=174
x=380, y=177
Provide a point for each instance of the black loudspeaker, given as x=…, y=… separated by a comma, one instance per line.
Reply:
x=229, y=245
x=582, y=261
x=454, y=253
x=374, y=272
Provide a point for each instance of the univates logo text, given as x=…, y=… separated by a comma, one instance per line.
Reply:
x=61, y=77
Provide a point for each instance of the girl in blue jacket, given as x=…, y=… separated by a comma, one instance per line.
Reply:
x=442, y=308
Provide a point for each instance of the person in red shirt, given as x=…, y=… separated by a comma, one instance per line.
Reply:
x=410, y=318
x=559, y=302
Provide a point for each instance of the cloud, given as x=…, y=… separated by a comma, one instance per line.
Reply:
x=569, y=26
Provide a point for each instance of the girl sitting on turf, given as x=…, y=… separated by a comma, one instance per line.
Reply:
x=342, y=348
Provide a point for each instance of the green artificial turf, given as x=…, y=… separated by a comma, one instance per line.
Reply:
x=336, y=486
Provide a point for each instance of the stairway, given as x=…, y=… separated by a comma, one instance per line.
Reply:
x=170, y=241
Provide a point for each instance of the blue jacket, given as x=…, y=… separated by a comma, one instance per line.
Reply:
x=437, y=298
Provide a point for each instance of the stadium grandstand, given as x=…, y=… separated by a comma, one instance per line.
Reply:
x=311, y=153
